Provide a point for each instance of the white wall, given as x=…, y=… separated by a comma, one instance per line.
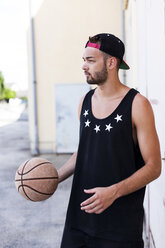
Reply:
x=149, y=51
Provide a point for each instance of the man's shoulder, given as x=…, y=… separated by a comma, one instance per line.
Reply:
x=141, y=107
x=141, y=101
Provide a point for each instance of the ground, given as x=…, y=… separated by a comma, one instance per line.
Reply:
x=26, y=224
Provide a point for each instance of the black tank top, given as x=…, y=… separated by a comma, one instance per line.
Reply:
x=106, y=155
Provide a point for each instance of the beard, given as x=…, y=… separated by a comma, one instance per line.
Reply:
x=98, y=78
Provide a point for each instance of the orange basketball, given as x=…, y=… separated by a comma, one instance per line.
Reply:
x=36, y=179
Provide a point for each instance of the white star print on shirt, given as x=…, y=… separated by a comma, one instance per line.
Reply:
x=118, y=118
x=108, y=127
x=86, y=113
x=97, y=128
x=87, y=123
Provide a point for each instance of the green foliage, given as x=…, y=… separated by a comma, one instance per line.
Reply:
x=24, y=98
x=5, y=93
x=9, y=94
x=2, y=86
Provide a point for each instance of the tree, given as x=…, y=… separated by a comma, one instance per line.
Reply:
x=2, y=86
x=5, y=93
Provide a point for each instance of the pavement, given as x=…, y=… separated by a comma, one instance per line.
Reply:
x=26, y=224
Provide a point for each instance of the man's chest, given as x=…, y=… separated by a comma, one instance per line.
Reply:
x=103, y=109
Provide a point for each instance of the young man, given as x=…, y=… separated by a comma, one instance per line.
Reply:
x=118, y=155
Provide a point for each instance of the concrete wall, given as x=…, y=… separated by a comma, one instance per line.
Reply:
x=61, y=31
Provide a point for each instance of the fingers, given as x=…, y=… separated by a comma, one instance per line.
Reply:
x=92, y=204
x=90, y=191
x=96, y=210
x=93, y=208
x=102, y=198
x=89, y=206
x=88, y=201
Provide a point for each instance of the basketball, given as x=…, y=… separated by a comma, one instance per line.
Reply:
x=36, y=179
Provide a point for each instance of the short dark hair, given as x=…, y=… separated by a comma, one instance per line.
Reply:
x=95, y=39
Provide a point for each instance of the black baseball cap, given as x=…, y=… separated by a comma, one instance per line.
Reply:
x=112, y=45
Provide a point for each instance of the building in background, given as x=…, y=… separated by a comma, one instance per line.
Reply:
x=57, y=36
x=145, y=51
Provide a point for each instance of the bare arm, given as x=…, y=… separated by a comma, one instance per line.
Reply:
x=143, y=120
x=68, y=168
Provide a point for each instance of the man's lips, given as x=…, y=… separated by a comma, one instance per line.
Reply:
x=87, y=73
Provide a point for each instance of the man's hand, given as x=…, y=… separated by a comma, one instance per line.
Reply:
x=102, y=199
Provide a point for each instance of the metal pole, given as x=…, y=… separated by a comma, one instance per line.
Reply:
x=35, y=150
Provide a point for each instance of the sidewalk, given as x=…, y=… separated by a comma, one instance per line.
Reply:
x=26, y=224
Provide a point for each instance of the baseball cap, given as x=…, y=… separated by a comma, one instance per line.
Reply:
x=112, y=45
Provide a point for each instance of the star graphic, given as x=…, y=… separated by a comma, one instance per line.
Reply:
x=86, y=113
x=97, y=128
x=108, y=127
x=87, y=123
x=118, y=118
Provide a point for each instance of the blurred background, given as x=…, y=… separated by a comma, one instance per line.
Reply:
x=41, y=83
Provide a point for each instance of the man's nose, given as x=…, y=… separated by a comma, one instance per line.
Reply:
x=85, y=66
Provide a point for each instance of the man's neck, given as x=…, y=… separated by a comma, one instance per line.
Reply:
x=110, y=89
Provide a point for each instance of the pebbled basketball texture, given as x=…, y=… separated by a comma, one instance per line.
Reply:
x=36, y=179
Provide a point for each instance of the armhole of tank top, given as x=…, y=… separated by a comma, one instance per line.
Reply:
x=135, y=146
x=131, y=110
x=88, y=94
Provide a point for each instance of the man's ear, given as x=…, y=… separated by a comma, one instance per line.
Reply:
x=111, y=63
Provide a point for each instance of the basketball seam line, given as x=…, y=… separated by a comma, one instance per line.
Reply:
x=32, y=168
x=34, y=190
x=39, y=178
x=22, y=181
